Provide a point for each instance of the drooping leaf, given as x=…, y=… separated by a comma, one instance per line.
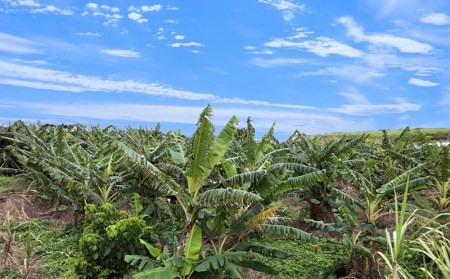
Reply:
x=288, y=231
x=142, y=262
x=220, y=261
x=399, y=179
x=227, y=197
x=261, y=249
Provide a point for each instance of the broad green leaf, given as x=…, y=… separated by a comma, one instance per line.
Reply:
x=142, y=262
x=151, y=249
x=192, y=248
x=220, y=261
x=223, y=140
x=157, y=273
x=199, y=164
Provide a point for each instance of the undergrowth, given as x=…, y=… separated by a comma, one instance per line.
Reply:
x=305, y=261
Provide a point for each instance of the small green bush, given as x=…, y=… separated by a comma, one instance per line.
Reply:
x=108, y=235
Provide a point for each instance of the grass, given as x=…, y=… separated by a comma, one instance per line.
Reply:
x=8, y=184
x=52, y=244
x=305, y=261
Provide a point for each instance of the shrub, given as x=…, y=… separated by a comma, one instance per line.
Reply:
x=109, y=234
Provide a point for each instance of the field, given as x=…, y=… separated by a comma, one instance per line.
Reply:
x=440, y=134
x=140, y=203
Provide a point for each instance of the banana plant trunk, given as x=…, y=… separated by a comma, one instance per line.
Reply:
x=322, y=212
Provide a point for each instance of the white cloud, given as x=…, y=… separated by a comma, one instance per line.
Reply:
x=436, y=19
x=269, y=63
x=189, y=44
x=112, y=19
x=13, y=44
x=300, y=33
x=121, y=53
x=355, y=73
x=52, y=9
x=137, y=17
x=286, y=121
x=29, y=3
x=179, y=37
x=152, y=8
x=402, y=44
x=133, y=9
x=261, y=52
x=250, y=47
x=92, y=6
x=369, y=109
x=422, y=71
x=89, y=34
x=172, y=21
x=288, y=7
x=36, y=62
x=172, y=8
x=322, y=46
x=39, y=78
x=421, y=82
x=110, y=9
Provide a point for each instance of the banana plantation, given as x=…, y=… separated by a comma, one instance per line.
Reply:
x=97, y=202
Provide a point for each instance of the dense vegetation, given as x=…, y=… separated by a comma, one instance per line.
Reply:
x=148, y=204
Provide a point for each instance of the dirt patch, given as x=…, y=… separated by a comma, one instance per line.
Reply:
x=27, y=205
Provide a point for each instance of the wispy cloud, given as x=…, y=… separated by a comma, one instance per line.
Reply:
x=121, y=53
x=402, y=44
x=92, y=34
x=287, y=121
x=422, y=82
x=445, y=99
x=269, y=63
x=35, y=7
x=36, y=62
x=376, y=109
x=17, y=45
x=360, y=105
x=436, y=19
x=29, y=3
x=261, y=52
x=50, y=9
x=137, y=17
x=354, y=73
x=188, y=44
x=322, y=46
x=287, y=7
x=179, y=37
x=355, y=97
x=39, y=78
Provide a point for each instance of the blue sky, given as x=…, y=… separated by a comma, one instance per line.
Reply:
x=315, y=66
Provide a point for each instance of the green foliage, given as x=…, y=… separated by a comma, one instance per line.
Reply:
x=305, y=261
x=109, y=234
